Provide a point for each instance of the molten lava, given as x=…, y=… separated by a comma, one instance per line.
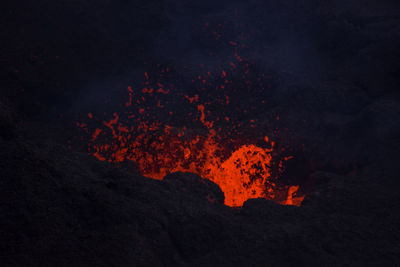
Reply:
x=157, y=149
x=165, y=129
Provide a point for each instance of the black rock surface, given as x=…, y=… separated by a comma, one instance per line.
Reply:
x=62, y=208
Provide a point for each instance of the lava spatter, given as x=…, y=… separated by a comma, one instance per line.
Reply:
x=164, y=129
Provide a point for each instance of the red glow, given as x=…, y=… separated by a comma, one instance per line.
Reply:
x=209, y=144
x=242, y=175
x=159, y=149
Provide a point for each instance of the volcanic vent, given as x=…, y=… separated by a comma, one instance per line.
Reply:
x=206, y=120
x=163, y=130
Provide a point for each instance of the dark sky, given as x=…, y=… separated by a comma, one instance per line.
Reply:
x=59, y=52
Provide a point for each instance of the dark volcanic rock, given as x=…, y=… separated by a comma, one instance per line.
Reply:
x=196, y=187
x=61, y=208
x=7, y=122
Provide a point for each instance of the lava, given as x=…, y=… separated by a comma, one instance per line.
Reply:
x=242, y=175
x=158, y=149
x=163, y=129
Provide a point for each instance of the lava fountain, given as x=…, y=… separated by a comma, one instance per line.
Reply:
x=163, y=128
x=241, y=170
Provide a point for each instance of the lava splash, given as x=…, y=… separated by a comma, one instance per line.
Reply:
x=212, y=129
x=240, y=169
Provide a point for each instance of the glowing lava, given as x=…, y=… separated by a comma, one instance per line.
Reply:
x=244, y=175
x=241, y=174
x=207, y=133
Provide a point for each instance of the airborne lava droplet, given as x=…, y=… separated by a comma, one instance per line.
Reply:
x=164, y=130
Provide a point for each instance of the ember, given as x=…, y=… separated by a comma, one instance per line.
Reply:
x=164, y=129
x=159, y=149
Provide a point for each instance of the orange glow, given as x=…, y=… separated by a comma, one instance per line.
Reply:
x=243, y=175
x=206, y=139
x=291, y=200
x=158, y=150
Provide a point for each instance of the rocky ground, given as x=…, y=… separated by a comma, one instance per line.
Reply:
x=63, y=208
